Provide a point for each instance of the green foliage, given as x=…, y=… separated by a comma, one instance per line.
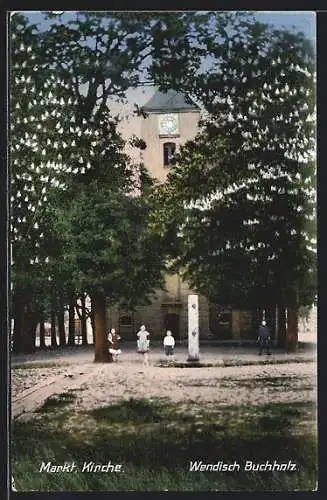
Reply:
x=64, y=141
x=239, y=207
x=114, y=251
x=304, y=313
x=34, y=168
x=78, y=223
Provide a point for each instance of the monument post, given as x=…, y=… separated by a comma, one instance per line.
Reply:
x=193, y=328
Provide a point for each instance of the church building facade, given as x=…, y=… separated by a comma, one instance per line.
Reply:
x=172, y=119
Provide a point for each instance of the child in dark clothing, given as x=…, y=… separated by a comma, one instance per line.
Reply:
x=113, y=339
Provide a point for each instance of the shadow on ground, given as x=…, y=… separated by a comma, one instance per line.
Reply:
x=155, y=441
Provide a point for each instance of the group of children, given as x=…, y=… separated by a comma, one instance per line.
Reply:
x=143, y=344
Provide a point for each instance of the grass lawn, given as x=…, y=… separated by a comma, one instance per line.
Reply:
x=155, y=441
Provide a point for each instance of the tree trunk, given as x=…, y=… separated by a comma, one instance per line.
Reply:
x=18, y=315
x=281, y=326
x=101, y=352
x=61, y=322
x=25, y=322
x=32, y=321
x=83, y=322
x=42, y=332
x=71, y=322
x=29, y=330
x=292, y=330
x=53, y=323
x=92, y=322
x=275, y=332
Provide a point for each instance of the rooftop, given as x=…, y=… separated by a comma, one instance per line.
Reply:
x=170, y=101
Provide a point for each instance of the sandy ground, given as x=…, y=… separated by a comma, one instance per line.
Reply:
x=98, y=384
x=228, y=386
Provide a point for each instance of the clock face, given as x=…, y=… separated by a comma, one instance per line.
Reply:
x=168, y=124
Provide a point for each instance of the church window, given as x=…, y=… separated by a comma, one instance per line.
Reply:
x=169, y=149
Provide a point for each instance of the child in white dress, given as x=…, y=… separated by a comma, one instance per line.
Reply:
x=143, y=344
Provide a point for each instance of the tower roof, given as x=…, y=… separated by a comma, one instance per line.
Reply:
x=170, y=101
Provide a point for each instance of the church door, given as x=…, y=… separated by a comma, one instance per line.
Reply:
x=172, y=323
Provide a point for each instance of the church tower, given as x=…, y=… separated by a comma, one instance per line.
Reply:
x=172, y=119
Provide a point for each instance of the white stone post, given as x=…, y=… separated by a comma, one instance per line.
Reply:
x=193, y=328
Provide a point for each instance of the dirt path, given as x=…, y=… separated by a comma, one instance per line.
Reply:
x=98, y=385
x=28, y=400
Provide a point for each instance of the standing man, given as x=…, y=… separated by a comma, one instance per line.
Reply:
x=264, y=338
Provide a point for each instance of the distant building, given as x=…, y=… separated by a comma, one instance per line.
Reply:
x=172, y=119
x=308, y=326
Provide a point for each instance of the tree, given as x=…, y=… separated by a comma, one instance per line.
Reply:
x=48, y=111
x=83, y=314
x=239, y=206
x=118, y=259
x=32, y=178
x=91, y=57
x=65, y=74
